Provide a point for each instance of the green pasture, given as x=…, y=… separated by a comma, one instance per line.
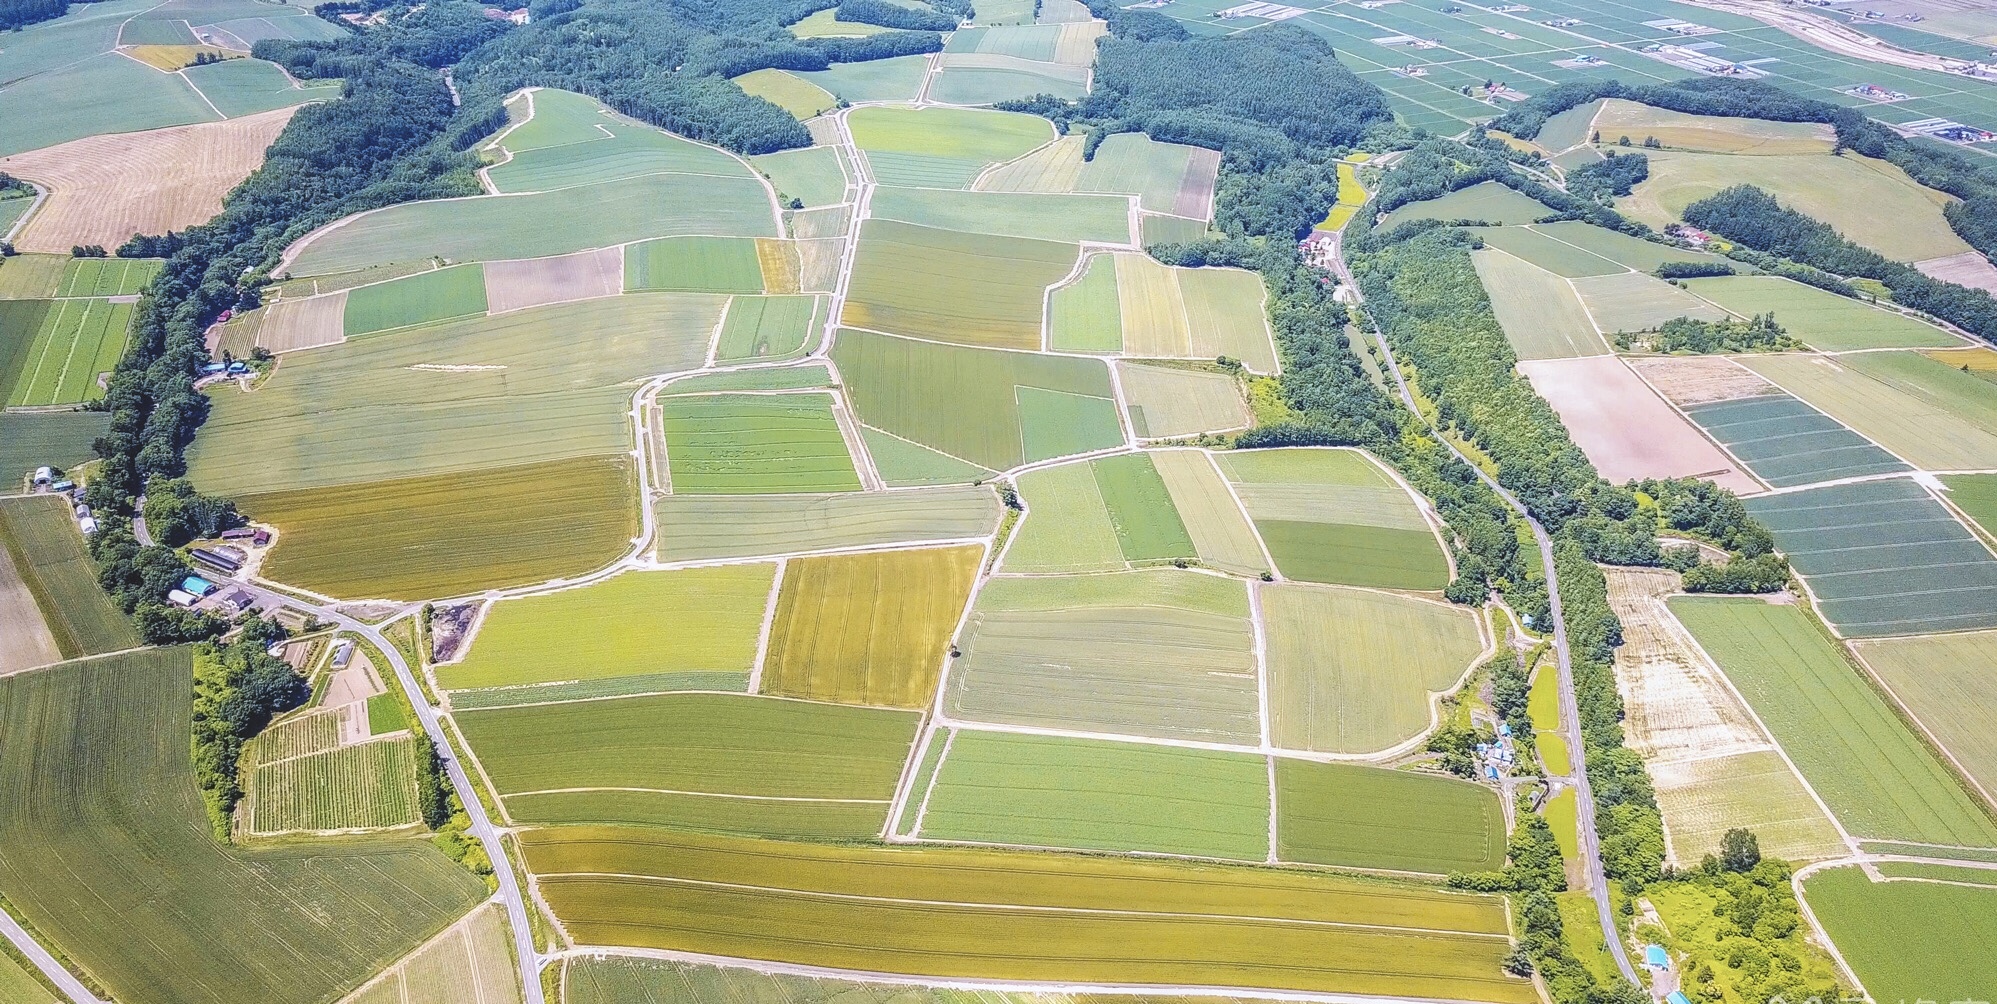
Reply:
x=561, y=118
x=614, y=150
x=1157, y=173
x=1083, y=315
x=1373, y=817
x=105, y=848
x=89, y=95
x=813, y=175
x=1976, y=496
x=1630, y=252
x=803, y=376
x=1922, y=940
x=618, y=627
x=1933, y=414
x=247, y=86
x=1169, y=402
x=941, y=147
x=903, y=464
x=1487, y=201
x=417, y=299
x=108, y=276
x=754, y=444
x=972, y=289
x=1035, y=42
x=59, y=439
x=1352, y=671
x=765, y=327
x=1824, y=320
x=995, y=409
x=48, y=553
x=1540, y=313
x=952, y=912
x=1638, y=301
x=988, y=80
x=996, y=787
x=1066, y=218
x=1161, y=653
x=73, y=343
x=694, y=527
x=528, y=386
x=451, y=534
x=896, y=79
x=792, y=93
x=694, y=265
x=1172, y=230
x=1944, y=681
x=1865, y=764
x=489, y=228
x=722, y=744
x=1547, y=252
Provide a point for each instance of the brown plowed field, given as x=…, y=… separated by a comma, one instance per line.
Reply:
x=104, y=189
x=1196, y=188
x=1624, y=427
x=1966, y=269
x=585, y=275
x=1689, y=380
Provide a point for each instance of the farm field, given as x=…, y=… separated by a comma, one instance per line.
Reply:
x=766, y=327
x=106, y=851
x=1372, y=817
x=617, y=628
x=952, y=915
x=1883, y=558
x=416, y=299
x=1354, y=671
x=1786, y=443
x=1693, y=380
x=706, y=527
x=1101, y=515
x=369, y=785
x=941, y=147
x=1487, y=201
x=470, y=963
x=1334, y=516
x=47, y=554
x=694, y=265
x=1040, y=791
x=442, y=535
x=29, y=641
x=1129, y=304
x=787, y=91
x=538, y=282
x=896, y=79
x=1936, y=416
x=1161, y=653
x=969, y=289
x=1635, y=301
x=816, y=175
x=1629, y=252
x=107, y=276
x=1221, y=534
x=1874, y=774
x=1824, y=321
x=1626, y=430
x=868, y=629
x=75, y=343
x=1167, y=403
x=1943, y=681
x=1569, y=261
x=1047, y=217
x=1976, y=496
x=1540, y=312
x=584, y=144
x=1904, y=937
x=755, y=443
x=1710, y=133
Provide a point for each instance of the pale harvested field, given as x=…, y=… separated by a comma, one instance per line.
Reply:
x=29, y=642
x=1710, y=133
x=1689, y=380
x=1219, y=530
x=818, y=265
x=1076, y=45
x=304, y=324
x=1170, y=402
x=1969, y=268
x=1712, y=765
x=1056, y=167
x=470, y=963
x=103, y=189
x=1154, y=317
x=1624, y=427
x=534, y=282
x=831, y=221
x=1196, y=189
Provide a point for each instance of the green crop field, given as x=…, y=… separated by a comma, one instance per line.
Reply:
x=1140, y=509
x=1874, y=774
x=896, y=79
x=534, y=385
x=1167, y=403
x=1976, y=496
x=1907, y=940
x=978, y=79
x=74, y=90
x=941, y=147
x=704, y=527
x=1372, y=817
x=365, y=786
x=1487, y=201
x=754, y=444
x=1067, y=218
x=765, y=327
x=598, y=147
x=953, y=912
x=449, y=534
x=1933, y=414
x=311, y=732
x=30, y=277
x=560, y=118
x=108, y=276
x=1221, y=534
x=709, y=681
x=1883, y=558
x=1161, y=653
x=1225, y=316
x=620, y=627
x=17, y=984
x=1159, y=174
x=973, y=289
x=814, y=175
x=731, y=761
x=1541, y=314
x=1556, y=256
x=1351, y=671
x=902, y=464
x=622, y=980
x=489, y=228
x=805, y=376
x=1067, y=526
x=1637, y=301
x=1083, y=315
x=975, y=404
x=794, y=94
x=416, y=299
x=59, y=439
x=867, y=628
x=247, y=86
x=105, y=849
x=694, y=265
x=47, y=552
x=1823, y=320
x=1630, y=252
x=1945, y=681
x=1333, y=516
x=74, y=342
x=1038, y=791
x=1787, y=443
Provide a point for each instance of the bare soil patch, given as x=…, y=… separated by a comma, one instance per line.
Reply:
x=104, y=189
x=1624, y=427
x=1969, y=268
x=1689, y=380
x=1678, y=705
x=534, y=282
x=1195, y=198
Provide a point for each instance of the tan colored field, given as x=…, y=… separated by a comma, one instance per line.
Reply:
x=1625, y=428
x=779, y=261
x=1712, y=765
x=1076, y=45
x=172, y=58
x=1710, y=133
x=1056, y=167
x=1689, y=380
x=103, y=189
x=1947, y=683
x=1154, y=319
x=1976, y=360
x=1969, y=268
x=29, y=642
x=304, y=324
x=818, y=265
x=533, y=282
x=470, y=963
x=1196, y=188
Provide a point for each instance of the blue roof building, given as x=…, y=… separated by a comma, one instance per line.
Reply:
x=1504, y=730
x=197, y=585
x=1491, y=773
x=1656, y=957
